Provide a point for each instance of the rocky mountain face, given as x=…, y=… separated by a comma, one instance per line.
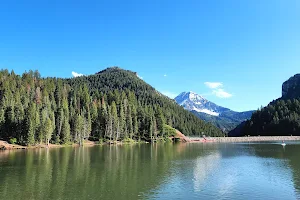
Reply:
x=291, y=87
x=221, y=117
x=194, y=102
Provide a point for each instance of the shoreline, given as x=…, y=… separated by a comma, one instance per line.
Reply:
x=243, y=139
x=4, y=145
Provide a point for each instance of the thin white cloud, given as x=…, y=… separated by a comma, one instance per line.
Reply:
x=221, y=93
x=75, y=74
x=213, y=85
x=217, y=90
x=169, y=94
x=165, y=75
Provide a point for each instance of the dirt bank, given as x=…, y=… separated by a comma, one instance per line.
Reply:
x=182, y=137
x=6, y=146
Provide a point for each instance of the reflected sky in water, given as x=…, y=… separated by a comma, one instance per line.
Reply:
x=180, y=171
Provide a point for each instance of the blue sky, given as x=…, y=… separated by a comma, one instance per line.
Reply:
x=235, y=53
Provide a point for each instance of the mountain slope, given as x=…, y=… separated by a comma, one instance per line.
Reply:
x=221, y=117
x=280, y=117
x=114, y=78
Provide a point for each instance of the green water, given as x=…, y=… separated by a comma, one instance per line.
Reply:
x=181, y=171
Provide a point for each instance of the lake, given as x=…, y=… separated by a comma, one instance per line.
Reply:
x=160, y=171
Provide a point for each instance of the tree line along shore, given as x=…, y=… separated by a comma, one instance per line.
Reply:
x=6, y=146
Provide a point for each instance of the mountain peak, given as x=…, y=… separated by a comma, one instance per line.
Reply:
x=194, y=95
x=193, y=101
x=191, y=95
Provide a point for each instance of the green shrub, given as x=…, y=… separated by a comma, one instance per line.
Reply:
x=169, y=131
x=13, y=140
x=101, y=141
x=128, y=140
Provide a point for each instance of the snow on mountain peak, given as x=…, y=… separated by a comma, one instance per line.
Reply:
x=192, y=101
x=194, y=96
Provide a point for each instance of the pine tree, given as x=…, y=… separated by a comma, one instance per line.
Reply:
x=160, y=122
x=129, y=123
x=122, y=122
x=66, y=134
x=109, y=124
x=103, y=117
x=96, y=127
x=115, y=120
x=151, y=129
x=48, y=130
x=38, y=132
x=79, y=129
x=59, y=124
x=118, y=131
x=135, y=121
x=30, y=132
x=87, y=125
x=2, y=120
x=126, y=115
x=31, y=123
x=154, y=128
x=9, y=122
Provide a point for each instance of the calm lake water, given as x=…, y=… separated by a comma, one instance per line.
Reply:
x=180, y=171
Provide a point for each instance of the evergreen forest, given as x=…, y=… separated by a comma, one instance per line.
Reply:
x=279, y=118
x=112, y=105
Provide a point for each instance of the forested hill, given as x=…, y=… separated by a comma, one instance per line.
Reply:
x=113, y=104
x=113, y=81
x=280, y=117
x=115, y=78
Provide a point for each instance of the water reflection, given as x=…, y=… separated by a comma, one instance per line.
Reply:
x=227, y=171
x=205, y=166
x=183, y=171
x=289, y=154
x=106, y=172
